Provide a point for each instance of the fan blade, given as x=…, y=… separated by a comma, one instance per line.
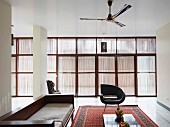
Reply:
x=126, y=7
x=91, y=19
x=118, y=23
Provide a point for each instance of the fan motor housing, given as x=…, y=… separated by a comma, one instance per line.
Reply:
x=109, y=17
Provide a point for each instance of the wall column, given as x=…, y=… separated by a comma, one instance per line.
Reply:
x=39, y=61
x=163, y=64
x=5, y=57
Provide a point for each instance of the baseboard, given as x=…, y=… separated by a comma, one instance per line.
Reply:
x=166, y=107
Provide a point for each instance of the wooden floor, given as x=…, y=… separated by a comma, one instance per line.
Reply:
x=157, y=113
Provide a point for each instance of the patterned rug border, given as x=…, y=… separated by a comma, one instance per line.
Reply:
x=139, y=116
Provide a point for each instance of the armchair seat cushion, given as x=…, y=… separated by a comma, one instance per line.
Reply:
x=111, y=101
x=53, y=111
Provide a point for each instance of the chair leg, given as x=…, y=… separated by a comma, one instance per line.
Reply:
x=118, y=107
x=104, y=108
x=72, y=117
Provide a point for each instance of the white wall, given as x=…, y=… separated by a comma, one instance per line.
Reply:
x=62, y=17
x=39, y=61
x=163, y=64
x=5, y=58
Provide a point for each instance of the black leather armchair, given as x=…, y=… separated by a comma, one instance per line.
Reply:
x=111, y=94
x=51, y=89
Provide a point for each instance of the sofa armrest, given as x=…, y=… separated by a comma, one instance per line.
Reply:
x=59, y=98
x=23, y=123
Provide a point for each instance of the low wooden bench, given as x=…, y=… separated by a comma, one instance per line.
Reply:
x=20, y=116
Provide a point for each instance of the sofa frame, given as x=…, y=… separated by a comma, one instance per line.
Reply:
x=19, y=116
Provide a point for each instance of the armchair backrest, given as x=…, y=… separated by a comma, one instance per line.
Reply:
x=107, y=89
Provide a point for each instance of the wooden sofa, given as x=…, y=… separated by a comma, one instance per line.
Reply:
x=25, y=116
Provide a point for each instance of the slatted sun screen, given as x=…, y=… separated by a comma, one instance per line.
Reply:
x=126, y=73
x=51, y=59
x=66, y=74
x=86, y=75
x=146, y=70
x=106, y=70
x=22, y=70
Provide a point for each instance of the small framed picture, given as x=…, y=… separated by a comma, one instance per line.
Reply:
x=103, y=46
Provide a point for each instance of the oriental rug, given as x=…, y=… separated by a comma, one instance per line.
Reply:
x=92, y=116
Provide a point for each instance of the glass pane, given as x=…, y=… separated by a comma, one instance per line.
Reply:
x=66, y=46
x=67, y=83
x=51, y=63
x=106, y=79
x=126, y=82
x=13, y=84
x=86, y=84
x=126, y=46
x=25, y=84
x=52, y=46
x=125, y=64
x=146, y=84
x=66, y=64
x=52, y=77
x=111, y=45
x=106, y=64
x=145, y=45
x=86, y=64
x=25, y=64
x=13, y=64
x=13, y=47
x=146, y=64
x=86, y=46
x=25, y=46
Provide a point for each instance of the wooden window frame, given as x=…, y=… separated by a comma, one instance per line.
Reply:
x=76, y=55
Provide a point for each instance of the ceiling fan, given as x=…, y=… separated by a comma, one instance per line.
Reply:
x=111, y=18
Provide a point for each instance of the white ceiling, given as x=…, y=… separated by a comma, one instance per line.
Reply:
x=62, y=17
